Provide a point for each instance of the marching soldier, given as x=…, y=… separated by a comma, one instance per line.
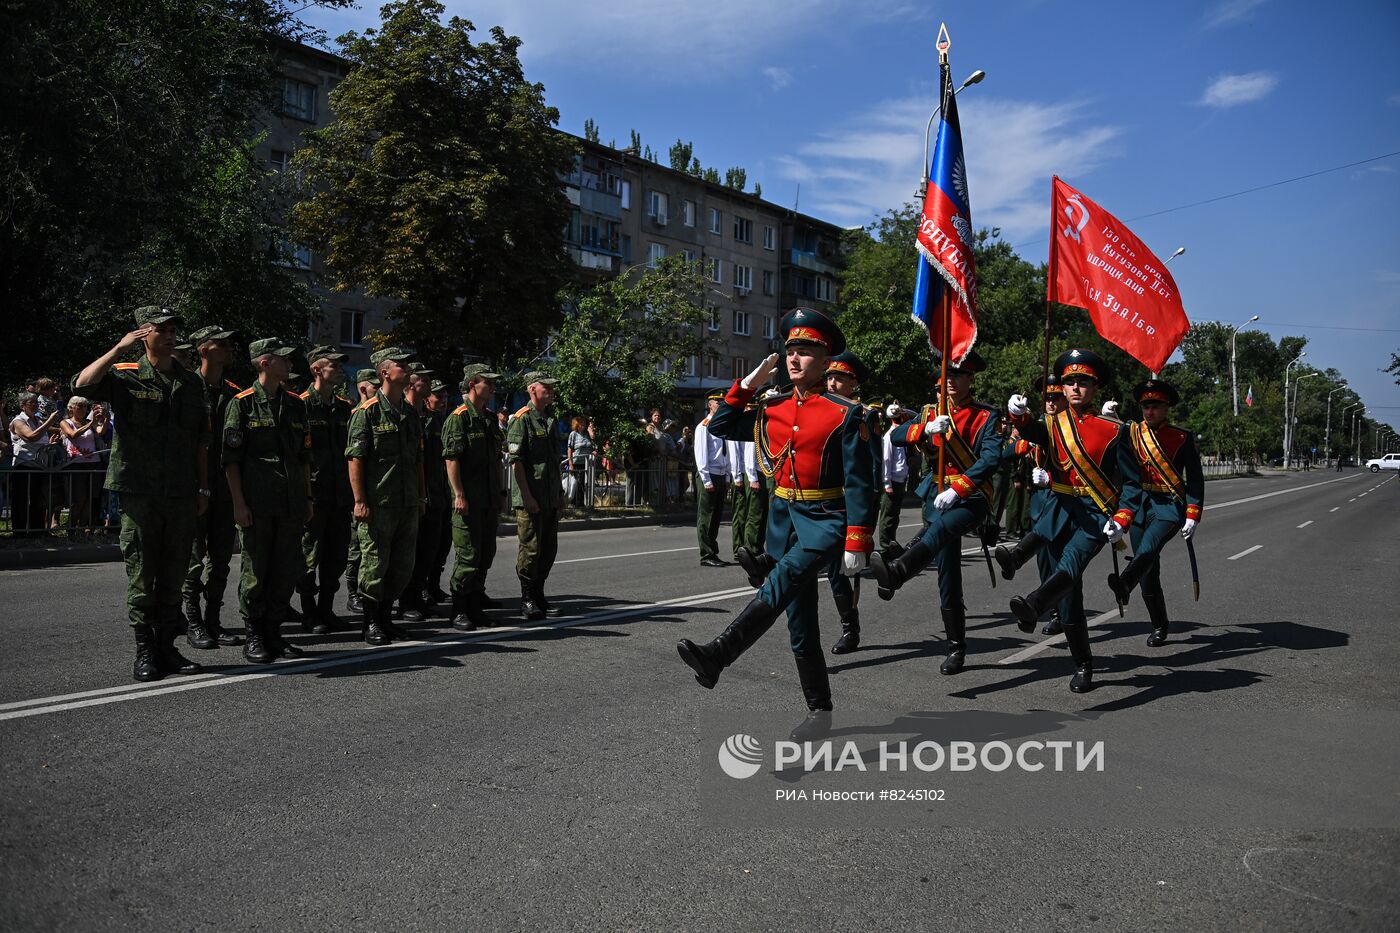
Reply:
x=385, y=450
x=537, y=496
x=413, y=601
x=215, y=533
x=817, y=445
x=267, y=459
x=326, y=543
x=471, y=442
x=1169, y=499
x=159, y=467
x=366, y=385
x=1091, y=465
x=972, y=455
x=712, y=472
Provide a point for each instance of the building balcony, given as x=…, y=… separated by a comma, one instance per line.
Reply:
x=810, y=262
x=593, y=201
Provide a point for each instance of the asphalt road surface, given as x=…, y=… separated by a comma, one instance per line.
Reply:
x=544, y=775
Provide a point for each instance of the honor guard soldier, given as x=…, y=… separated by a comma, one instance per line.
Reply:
x=366, y=385
x=817, y=446
x=326, y=543
x=471, y=443
x=385, y=451
x=971, y=456
x=1170, y=498
x=267, y=459
x=1042, y=499
x=712, y=472
x=215, y=534
x=532, y=449
x=159, y=467
x=1091, y=465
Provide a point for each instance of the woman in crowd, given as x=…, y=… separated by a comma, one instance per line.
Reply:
x=82, y=441
x=29, y=485
x=580, y=457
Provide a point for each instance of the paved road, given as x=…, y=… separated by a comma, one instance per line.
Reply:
x=547, y=776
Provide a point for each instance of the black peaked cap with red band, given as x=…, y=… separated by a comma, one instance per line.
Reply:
x=807, y=325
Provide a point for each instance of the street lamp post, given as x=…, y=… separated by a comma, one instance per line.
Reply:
x=1327, y=442
x=1292, y=427
x=1287, y=421
x=974, y=78
x=1346, y=427
x=1234, y=388
x=1356, y=433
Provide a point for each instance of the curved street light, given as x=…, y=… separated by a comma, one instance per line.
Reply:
x=1234, y=388
x=974, y=78
x=1327, y=442
x=1287, y=421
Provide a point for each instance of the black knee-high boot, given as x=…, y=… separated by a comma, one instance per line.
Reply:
x=955, y=625
x=890, y=575
x=1157, y=612
x=850, y=625
x=1122, y=584
x=1028, y=609
x=1078, y=638
x=709, y=659
x=1011, y=559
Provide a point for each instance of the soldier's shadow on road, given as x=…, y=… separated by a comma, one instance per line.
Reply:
x=448, y=656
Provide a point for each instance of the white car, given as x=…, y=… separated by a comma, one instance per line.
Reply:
x=1388, y=462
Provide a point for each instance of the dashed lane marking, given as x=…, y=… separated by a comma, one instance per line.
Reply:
x=1050, y=642
x=1335, y=508
x=1246, y=552
x=1306, y=523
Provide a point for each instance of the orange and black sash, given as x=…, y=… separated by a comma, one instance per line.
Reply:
x=1149, y=451
x=1101, y=488
x=962, y=455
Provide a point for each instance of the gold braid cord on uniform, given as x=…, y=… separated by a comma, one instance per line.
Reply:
x=1149, y=451
x=963, y=458
x=1100, y=487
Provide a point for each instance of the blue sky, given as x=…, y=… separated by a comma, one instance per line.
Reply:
x=1144, y=107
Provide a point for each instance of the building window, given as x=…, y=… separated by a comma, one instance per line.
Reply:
x=823, y=289
x=714, y=320
x=656, y=206
x=768, y=278
x=769, y=327
x=689, y=255
x=716, y=269
x=743, y=277
x=626, y=249
x=352, y=328
x=770, y=238
x=688, y=213
x=298, y=99
x=279, y=160
x=740, y=368
x=692, y=366
x=741, y=326
x=743, y=230
x=713, y=367
x=655, y=253
x=626, y=195
x=715, y=218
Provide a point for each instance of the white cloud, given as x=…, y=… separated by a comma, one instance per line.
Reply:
x=1012, y=147
x=1232, y=90
x=778, y=78
x=1231, y=11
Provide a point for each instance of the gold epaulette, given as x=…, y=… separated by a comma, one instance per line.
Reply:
x=233, y=385
x=127, y=367
x=372, y=400
x=460, y=409
x=244, y=394
x=305, y=395
x=520, y=413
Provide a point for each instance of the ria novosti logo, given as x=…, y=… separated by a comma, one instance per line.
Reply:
x=741, y=756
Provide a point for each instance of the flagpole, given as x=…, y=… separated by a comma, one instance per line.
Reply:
x=946, y=309
x=1049, y=290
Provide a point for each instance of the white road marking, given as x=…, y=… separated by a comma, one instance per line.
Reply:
x=669, y=550
x=1306, y=523
x=1279, y=492
x=1351, y=500
x=1246, y=552
x=102, y=697
x=1050, y=642
x=1335, y=508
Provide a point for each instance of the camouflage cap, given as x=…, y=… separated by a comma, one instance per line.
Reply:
x=540, y=376
x=184, y=345
x=323, y=352
x=269, y=345
x=438, y=387
x=154, y=314
x=367, y=375
x=212, y=332
x=397, y=354
x=479, y=371
x=420, y=369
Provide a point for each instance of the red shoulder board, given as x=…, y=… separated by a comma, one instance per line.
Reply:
x=305, y=395
x=127, y=367
x=244, y=394
x=461, y=409
x=233, y=385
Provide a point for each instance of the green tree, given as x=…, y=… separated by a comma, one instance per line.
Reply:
x=711, y=175
x=757, y=190
x=681, y=155
x=736, y=178
x=695, y=168
x=590, y=130
x=438, y=185
x=1394, y=367
x=611, y=345
x=636, y=142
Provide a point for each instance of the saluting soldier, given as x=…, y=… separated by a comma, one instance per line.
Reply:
x=215, y=533
x=817, y=445
x=326, y=543
x=971, y=447
x=471, y=442
x=366, y=384
x=1091, y=465
x=537, y=495
x=1169, y=499
x=159, y=467
x=385, y=450
x=712, y=477
x=267, y=459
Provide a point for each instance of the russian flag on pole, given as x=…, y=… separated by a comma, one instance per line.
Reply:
x=945, y=240
x=1249, y=397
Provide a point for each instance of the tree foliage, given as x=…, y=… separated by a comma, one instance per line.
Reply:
x=438, y=185
x=681, y=155
x=736, y=178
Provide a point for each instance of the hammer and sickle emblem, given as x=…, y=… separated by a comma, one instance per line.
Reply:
x=1072, y=229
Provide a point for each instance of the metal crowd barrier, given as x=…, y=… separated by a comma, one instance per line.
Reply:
x=65, y=501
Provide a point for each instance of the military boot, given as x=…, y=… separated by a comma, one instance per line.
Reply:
x=955, y=625
x=310, y=615
x=466, y=612
x=146, y=668
x=279, y=646
x=215, y=628
x=816, y=690
x=372, y=626
x=850, y=625
x=435, y=593
x=354, y=602
x=549, y=608
x=411, y=607
x=1157, y=612
x=890, y=575
x=1011, y=559
x=169, y=660
x=1078, y=638
x=1028, y=609
x=488, y=603
x=757, y=565
x=255, y=648
x=530, y=611
x=326, y=619
x=1122, y=584
x=711, y=658
x=1052, y=624
x=195, y=632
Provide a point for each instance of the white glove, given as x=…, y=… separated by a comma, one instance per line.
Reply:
x=940, y=425
x=946, y=498
x=1188, y=529
x=853, y=562
x=761, y=372
x=891, y=411
x=1017, y=405
x=1040, y=478
x=1113, y=531
x=1110, y=408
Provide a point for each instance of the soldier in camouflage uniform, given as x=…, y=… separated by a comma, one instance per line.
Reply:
x=366, y=384
x=267, y=457
x=385, y=451
x=471, y=442
x=537, y=495
x=439, y=549
x=413, y=601
x=159, y=467
x=215, y=534
x=326, y=542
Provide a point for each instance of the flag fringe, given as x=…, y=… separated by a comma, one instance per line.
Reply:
x=957, y=289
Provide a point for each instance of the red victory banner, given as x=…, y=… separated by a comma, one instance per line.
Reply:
x=1096, y=263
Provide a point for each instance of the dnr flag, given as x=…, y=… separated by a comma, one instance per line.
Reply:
x=945, y=240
